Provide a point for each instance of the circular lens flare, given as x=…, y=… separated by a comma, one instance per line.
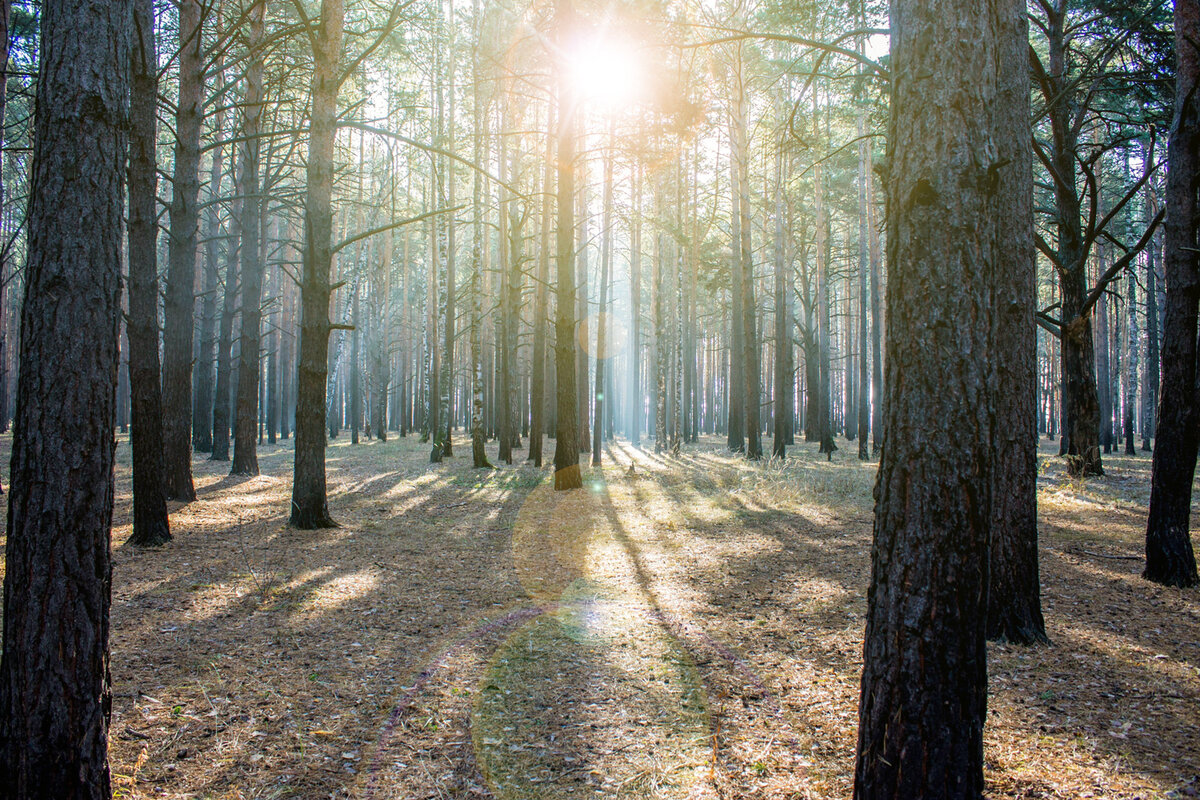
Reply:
x=606, y=71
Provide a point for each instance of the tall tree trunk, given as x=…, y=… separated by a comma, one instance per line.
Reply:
x=864, y=372
x=736, y=386
x=310, y=506
x=150, y=525
x=355, y=372
x=540, y=321
x=824, y=405
x=1152, y=376
x=924, y=683
x=566, y=444
x=54, y=682
x=1014, y=611
x=202, y=433
x=221, y=406
x=446, y=379
x=876, y=323
x=1131, y=367
x=602, y=311
x=583, y=339
x=245, y=453
x=783, y=326
x=1170, y=559
x=180, y=296
x=750, y=354
x=636, y=396
x=5, y=18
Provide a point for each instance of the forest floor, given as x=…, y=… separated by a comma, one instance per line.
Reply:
x=690, y=630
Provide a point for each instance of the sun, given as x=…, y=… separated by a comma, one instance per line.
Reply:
x=606, y=72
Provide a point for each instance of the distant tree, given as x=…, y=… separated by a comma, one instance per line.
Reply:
x=54, y=683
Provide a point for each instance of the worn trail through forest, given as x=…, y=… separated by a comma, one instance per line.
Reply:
x=692, y=629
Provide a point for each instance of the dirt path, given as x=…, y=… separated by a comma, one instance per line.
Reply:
x=692, y=630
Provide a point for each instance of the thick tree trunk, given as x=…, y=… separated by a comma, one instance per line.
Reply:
x=150, y=525
x=54, y=682
x=180, y=295
x=245, y=453
x=924, y=683
x=310, y=506
x=1170, y=559
x=1014, y=611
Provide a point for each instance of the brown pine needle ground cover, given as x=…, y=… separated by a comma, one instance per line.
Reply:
x=692, y=630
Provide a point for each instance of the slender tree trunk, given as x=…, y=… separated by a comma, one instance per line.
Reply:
x=150, y=525
x=310, y=506
x=54, y=679
x=876, y=323
x=736, y=387
x=924, y=683
x=1152, y=376
x=783, y=343
x=245, y=454
x=636, y=398
x=1131, y=370
x=1014, y=611
x=864, y=370
x=1170, y=559
x=540, y=320
x=602, y=310
x=202, y=432
x=824, y=405
x=582, y=353
x=221, y=407
x=180, y=296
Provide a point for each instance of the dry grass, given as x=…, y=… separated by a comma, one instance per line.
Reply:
x=691, y=631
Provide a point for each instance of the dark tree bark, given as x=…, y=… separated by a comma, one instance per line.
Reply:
x=924, y=683
x=54, y=683
x=566, y=442
x=310, y=505
x=1170, y=559
x=150, y=526
x=1014, y=600
x=179, y=308
x=245, y=451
